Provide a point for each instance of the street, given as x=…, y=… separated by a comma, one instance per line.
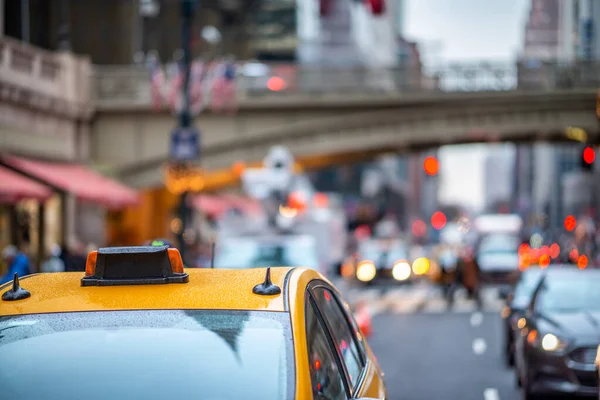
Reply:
x=429, y=352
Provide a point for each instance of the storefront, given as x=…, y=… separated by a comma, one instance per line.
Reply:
x=18, y=195
x=65, y=201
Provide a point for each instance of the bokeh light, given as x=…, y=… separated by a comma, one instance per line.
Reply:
x=438, y=220
x=570, y=223
x=431, y=166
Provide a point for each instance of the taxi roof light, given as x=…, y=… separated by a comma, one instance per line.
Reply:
x=143, y=265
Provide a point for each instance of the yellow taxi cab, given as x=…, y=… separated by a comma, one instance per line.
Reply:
x=139, y=325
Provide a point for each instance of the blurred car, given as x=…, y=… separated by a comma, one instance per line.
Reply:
x=513, y=314
x=497, y=258
x=137, y=315
x=383, y=261
x=268, y=251
x=556, y=351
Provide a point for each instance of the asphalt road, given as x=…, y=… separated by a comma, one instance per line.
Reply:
x=429, y=351
x=449, y=356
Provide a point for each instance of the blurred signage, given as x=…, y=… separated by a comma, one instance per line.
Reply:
x=185, y=144
x=588, y=38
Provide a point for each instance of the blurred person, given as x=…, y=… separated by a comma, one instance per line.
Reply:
x=53, y=261
x=77, y=257
x=17, y=262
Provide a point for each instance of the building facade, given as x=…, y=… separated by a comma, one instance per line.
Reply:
x=498, y=172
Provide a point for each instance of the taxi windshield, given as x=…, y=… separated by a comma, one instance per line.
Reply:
x=158, y=354
x=294, y=251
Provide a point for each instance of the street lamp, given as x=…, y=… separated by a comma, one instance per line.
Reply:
x=184, y=141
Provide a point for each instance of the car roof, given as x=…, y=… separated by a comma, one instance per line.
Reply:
x=206, y=289
x=559, y=273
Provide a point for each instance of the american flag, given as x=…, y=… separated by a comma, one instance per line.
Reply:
x=197, y=75
x=224, y=88
x=176, y=81
x=158, y=85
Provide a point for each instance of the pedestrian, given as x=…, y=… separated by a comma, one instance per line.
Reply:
x=76, y=259
x=17, y=262
x=53, y=261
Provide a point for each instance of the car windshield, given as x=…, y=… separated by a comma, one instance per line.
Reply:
x=527, y=284
x=570, y=293
x=239, y=253
x=499, y=244
x=374, y=251
x=159, y=354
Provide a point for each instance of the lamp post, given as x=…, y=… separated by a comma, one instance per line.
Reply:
x=185, y=120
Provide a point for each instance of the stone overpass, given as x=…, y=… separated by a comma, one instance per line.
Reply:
x=347, y=120
x=58, y=106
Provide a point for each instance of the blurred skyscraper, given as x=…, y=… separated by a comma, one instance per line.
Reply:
x=498, y=177
x=542, y=31
x=343, y=32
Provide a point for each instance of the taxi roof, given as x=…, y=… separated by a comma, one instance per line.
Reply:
x=207, y=289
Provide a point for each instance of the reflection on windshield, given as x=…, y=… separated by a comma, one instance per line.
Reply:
x=569, y=294
x=147, y=354
x=251, y=253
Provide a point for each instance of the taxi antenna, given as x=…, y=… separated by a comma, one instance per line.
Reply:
x=267, y=288
x=212, y=253
x=16, y=292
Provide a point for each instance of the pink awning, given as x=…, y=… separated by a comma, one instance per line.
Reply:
x=77, y=179
x=15, y=187
x=215, y=206
x=212, y=206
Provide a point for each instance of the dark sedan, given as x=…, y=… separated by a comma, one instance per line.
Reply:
x=556, y=351
x=513, y=314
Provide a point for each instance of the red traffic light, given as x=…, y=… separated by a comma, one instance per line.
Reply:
x=589, y=155
x=431, y=166
x=570, y=223
x=419, y=228
x=438, y=220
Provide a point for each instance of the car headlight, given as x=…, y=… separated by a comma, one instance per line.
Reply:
x=420, y=266
x=401, y=271
x=366, y=271
x=548, y=342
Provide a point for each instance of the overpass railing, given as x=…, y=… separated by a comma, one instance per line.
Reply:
x=43, y=79
x=122, y=86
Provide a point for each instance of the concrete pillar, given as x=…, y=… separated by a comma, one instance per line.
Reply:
x=41, y=228
x=68, y=205
x=1, y=18
x=25, y=31
x=64, y=30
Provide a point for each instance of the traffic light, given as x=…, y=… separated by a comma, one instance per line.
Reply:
x=588, y=156
x=431, y=166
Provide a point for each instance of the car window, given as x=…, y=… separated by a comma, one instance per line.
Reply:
x=527, y=285
x=325, y=376
x=158, y=354
x=341, y=331
x=499, y=244
x=236, y=253
x=577, y=292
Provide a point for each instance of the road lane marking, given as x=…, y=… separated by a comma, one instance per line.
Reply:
x=479, y=346
x=476, y=319
x=491, y=394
